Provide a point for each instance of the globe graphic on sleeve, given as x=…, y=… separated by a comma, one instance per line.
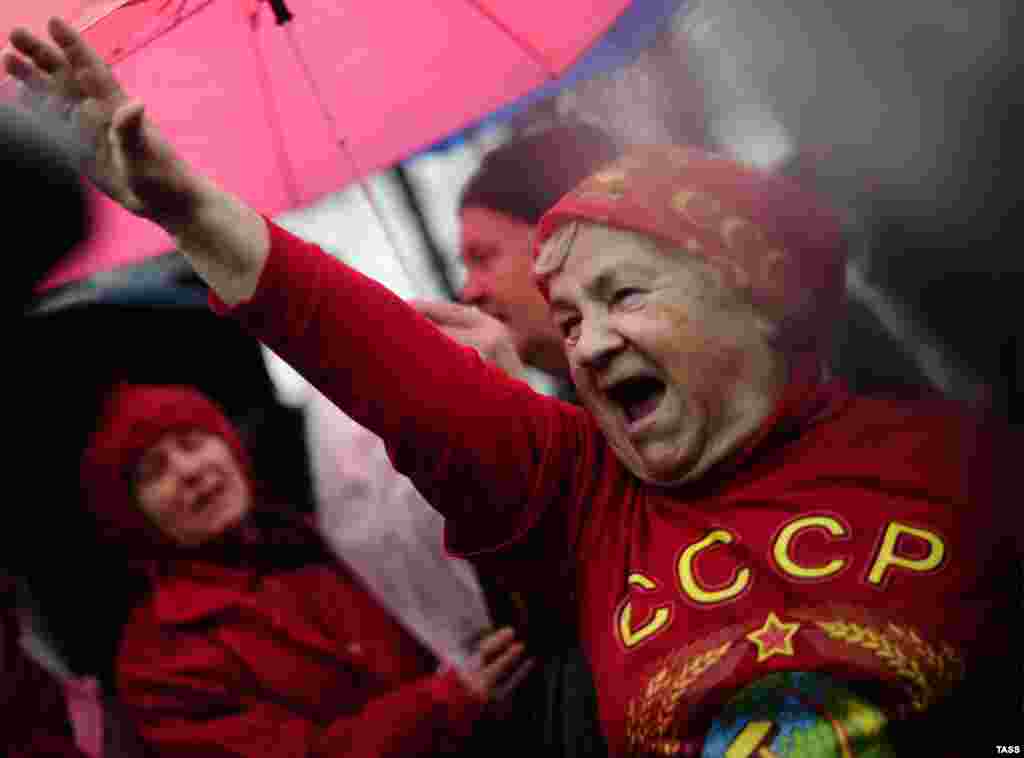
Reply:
x=798, y=715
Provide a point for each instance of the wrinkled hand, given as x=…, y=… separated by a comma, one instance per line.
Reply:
x=126, y=157
x=498, y=666
x=474, y=328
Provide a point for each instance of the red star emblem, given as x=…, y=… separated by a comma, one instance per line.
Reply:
x=774, y=638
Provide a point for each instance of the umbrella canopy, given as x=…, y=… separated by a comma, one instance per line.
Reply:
x=287, y=100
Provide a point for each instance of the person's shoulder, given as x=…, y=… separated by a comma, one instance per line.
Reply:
x=928, y=430
x=176, y=602
x=155, y=647
x=914, y=428
x=911, y=409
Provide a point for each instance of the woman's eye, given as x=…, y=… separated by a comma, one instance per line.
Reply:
x=478, y=258
x=570, y=329
x=147, y=471
x=628, y=297
x=192, y=440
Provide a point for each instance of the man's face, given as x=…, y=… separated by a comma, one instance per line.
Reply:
x=499, y=264
x=190, y=485
x=676, y=369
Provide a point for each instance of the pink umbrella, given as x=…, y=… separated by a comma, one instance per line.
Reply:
x=85, y=15
x=283, y=113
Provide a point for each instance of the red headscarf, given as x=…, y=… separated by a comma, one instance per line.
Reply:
x=772, y=238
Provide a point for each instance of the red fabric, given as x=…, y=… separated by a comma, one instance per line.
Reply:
x=222, y=662
x=35, y=721
x=774, y=239
x=134, y=418
x=529, y=486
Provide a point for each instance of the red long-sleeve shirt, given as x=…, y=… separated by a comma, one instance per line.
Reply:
x=847, y=568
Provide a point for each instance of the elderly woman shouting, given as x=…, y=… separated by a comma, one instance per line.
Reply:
x=758, y=562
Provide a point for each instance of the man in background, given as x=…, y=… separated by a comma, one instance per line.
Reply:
x=505, y=317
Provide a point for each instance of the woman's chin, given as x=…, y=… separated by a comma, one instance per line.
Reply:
x=667, y=463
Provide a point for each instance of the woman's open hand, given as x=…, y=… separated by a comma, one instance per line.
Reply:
x=498, y=666
x=126, y=156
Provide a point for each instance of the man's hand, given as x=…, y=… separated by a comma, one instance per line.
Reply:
x=498, y=666
x=474, y=328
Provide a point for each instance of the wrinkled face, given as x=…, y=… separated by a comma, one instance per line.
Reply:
x=190, y=485
x=676, y=368
x=499, y=267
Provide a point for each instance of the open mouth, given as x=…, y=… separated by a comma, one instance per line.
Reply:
x=202, y=502
x=638, y=396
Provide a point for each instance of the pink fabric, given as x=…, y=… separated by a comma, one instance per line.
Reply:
x=35, y=720
x=85, y=705
x=84, y=14
x=225, y=87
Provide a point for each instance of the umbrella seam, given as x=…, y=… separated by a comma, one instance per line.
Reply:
x=532, y=52
x=176, y=21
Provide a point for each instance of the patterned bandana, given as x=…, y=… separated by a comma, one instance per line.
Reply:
x=770, y=237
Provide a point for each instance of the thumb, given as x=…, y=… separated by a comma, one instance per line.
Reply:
x=127, y=124
x=444, y=313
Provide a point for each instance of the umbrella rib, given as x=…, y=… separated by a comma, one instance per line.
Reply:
x=181, y=16
x=342, y=144
x=274, y=122
x=531, y=52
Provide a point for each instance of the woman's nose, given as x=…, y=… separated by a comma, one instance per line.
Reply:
x=597, y=343
x=185, y=463
x=474, y=290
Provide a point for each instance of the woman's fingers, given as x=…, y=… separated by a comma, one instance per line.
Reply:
x=507, y=660
x=27, y=74
x=500, y=653
x=493, y=644
x=77, y=50
x=500, y=665
x=92, y=71
x=45, y=56
x=444, y=313
x=513, y=680
x=127, y=124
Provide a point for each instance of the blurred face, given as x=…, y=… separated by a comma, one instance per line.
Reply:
x=499, y=268
x=676, y=368
x=190, y=485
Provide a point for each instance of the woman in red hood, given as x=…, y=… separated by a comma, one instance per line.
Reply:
x=253, y=640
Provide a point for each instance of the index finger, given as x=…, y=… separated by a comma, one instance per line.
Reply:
x=42, y=54
x=79, y=53
x=83, y=58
